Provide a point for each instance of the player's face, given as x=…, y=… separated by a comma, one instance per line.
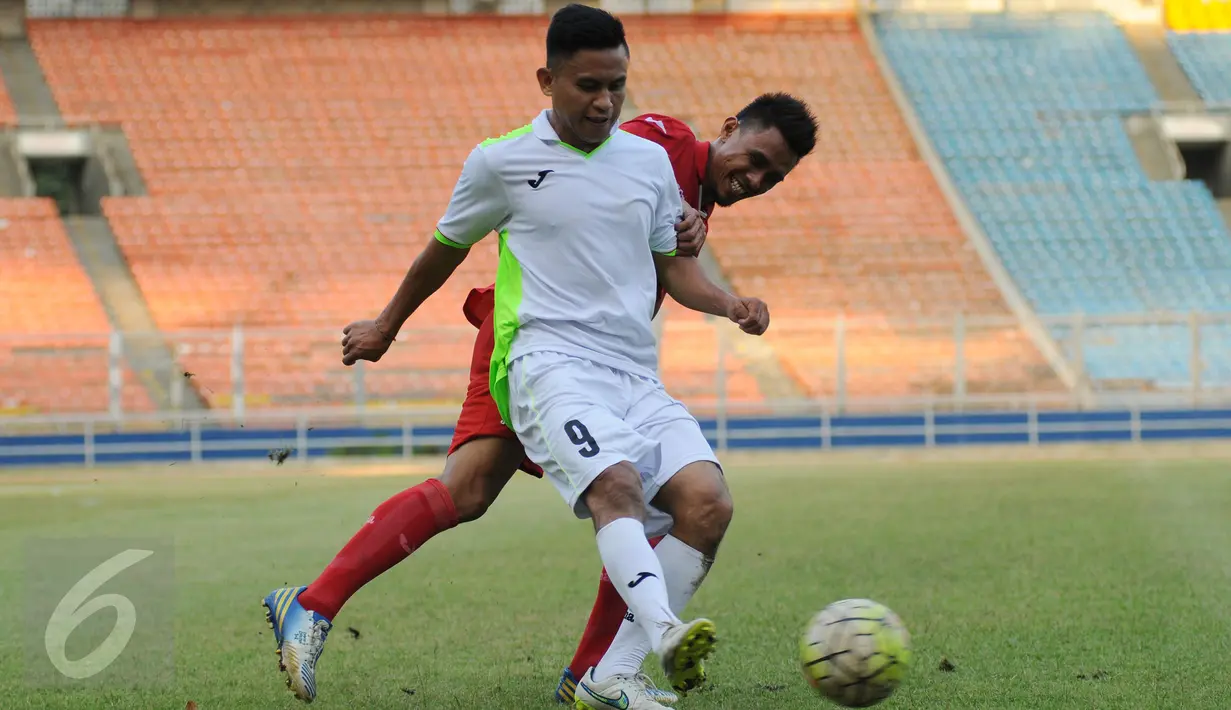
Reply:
x=587, y=93
x=747, y=162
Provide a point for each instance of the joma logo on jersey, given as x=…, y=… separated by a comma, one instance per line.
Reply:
x=542, y=176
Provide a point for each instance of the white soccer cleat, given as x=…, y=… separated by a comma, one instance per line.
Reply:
x=658, y=695
x=683, y=651
x=621, y=692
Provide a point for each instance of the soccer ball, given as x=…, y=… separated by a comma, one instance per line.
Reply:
x=855, y=652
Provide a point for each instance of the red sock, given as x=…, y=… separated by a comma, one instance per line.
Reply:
x=605, y=619
x=397, y=528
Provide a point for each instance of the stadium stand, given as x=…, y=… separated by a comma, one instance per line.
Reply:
x=1026, y=113
x=293, y=164
x=295, y=168
x=860, y=230
x=1206, y=59
x=52, y=358
x=254, y=136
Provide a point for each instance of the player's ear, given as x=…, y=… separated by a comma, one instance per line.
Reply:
x=729, y=127
x=544, y=77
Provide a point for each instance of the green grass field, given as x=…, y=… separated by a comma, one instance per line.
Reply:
x=1046, y=584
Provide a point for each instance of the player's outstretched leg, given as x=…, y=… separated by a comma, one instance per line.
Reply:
x=301, y=617
x=702, y=504
x=606, y=618
x=637, y=574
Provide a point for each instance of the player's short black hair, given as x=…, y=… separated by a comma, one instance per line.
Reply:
x=792, y=118
x=575, y=28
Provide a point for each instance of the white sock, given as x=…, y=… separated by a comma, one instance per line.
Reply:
x=684, y=569
x=637, y=575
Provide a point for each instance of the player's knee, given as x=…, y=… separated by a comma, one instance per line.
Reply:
x=470, y=499
x=699, y=501
x=615, y=493
x=710, y=516
x=476, y=473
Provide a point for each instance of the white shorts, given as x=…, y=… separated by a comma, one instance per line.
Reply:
x=578, y=418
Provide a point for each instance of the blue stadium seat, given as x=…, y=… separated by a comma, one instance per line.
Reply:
x=1206, y=58
x=1026, y=112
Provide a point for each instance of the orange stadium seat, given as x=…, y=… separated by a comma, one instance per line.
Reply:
x=57, y=356
x=296, y=166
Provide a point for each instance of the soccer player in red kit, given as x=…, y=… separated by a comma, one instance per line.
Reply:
x=754, y=151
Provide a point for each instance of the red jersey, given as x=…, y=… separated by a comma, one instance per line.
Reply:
x=689, y=159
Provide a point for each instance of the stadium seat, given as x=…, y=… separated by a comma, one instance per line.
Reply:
x=1206, y=59
x=54, y=356
x=1026, y=113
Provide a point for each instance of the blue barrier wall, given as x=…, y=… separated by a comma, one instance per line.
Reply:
x=200, y=443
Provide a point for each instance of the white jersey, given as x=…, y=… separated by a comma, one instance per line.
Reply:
x=577, y=234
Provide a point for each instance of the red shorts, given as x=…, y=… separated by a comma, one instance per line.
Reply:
x=480, y=417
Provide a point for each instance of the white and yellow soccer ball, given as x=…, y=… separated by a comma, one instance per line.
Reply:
x=855, y=652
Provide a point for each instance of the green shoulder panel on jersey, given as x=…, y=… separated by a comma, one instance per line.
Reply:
x=511, y=134
x=505, y=322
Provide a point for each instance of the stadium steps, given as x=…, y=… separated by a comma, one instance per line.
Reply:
x=27, y=86
x=1017, y=304
x=1149, y=41
x=12, y=180
x=1159, y=157
x=147, y=352
x=111, y=144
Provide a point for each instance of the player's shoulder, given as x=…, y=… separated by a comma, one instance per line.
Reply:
x=659, y=128
x=642, y=155
x=507, y=143
x=635, y=146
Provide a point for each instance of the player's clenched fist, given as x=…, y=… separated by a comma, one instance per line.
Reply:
x=751, y=314
x=363, y=340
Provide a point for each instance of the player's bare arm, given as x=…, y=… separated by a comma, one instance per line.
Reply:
x=370, y=339
x=686, y=282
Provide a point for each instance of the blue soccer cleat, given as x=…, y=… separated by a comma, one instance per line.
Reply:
x=300, y=635
x=567, y=689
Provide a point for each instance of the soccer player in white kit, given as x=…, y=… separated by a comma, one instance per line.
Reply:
x=586, y=218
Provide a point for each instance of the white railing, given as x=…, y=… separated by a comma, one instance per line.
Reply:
x=849, y=364
x=282, y=436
